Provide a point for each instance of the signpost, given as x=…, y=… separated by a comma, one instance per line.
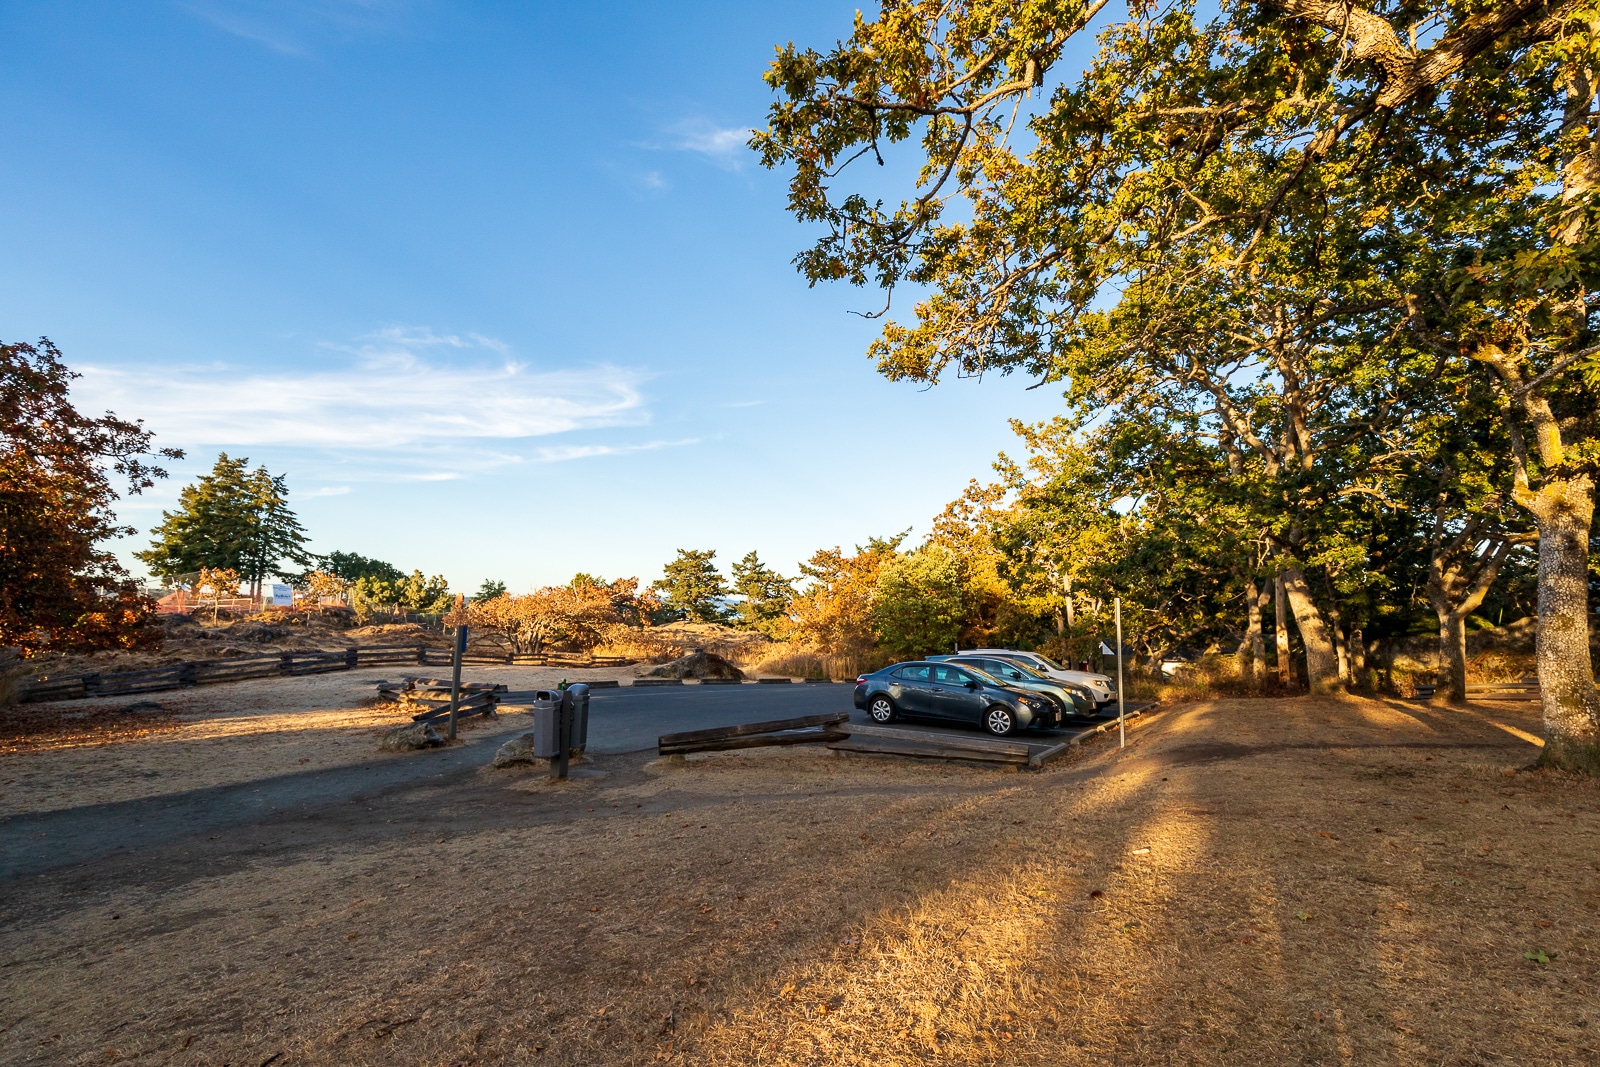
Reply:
x=459, y=648
x=1122, y=729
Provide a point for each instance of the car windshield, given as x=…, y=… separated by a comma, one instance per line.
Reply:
x=1004, y=670
x=1028, y=671
x=982, y=675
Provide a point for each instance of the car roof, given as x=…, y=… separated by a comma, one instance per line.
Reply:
x=968, y=656
x=941, y=661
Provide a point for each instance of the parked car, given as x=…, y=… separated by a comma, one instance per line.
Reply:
x=1104, y=689
x=1073, y=700
x=947, y=692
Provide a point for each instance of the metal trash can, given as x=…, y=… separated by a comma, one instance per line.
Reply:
x=578, y=696
x=546, y=724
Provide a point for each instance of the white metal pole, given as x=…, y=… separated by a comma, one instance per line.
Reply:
x=1122, y=729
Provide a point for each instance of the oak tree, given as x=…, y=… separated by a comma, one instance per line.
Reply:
x=1276, y=147
x=60, y=587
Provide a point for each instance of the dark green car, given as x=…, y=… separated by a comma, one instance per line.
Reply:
x=1074, y=701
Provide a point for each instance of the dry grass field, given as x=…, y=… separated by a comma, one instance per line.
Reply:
x=78, y=752
x=1298, y=881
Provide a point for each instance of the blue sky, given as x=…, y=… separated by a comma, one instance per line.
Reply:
x=497, y=286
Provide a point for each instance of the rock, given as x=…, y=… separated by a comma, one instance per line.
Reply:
x=410, y=738
x=515, y=751
x=698, y=664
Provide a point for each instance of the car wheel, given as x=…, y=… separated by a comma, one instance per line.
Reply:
x=999, y=720
x=881, y=710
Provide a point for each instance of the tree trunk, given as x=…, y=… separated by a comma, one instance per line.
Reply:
x=1563, y=507
x=1454, y=598
x=1322, y=668
x=1258, y=648
x=1453, y=656
x=1280, y=637
x=1563, y=510
x=1337, y=630
x=1252, y=650
x=1358, y=659
x=1452, y=665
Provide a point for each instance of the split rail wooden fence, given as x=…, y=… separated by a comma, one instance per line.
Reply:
x=276, y=665
x=433, y=695
x=1527, y=689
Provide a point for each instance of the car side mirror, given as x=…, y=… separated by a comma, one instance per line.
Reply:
x=972, y=683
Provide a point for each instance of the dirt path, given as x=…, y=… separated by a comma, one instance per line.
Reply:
x=1302, y=882
x=220, y=735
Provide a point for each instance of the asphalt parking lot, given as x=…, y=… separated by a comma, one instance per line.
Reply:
x=630, y=719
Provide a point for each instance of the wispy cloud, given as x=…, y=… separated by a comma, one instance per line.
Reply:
x=563, y=453
x=423, y=337
x=288, y=26
x=723, y=145
x=330, y=490
x=390, y=390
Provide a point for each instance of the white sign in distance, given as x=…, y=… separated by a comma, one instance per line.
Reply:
x=282, y=596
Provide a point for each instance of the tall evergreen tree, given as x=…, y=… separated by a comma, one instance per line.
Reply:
x=694, y=588
x=232, y=518
x=275, y=532
x=766, y=594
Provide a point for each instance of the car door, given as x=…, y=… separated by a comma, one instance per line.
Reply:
x=913, y=689
x=952, y=695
